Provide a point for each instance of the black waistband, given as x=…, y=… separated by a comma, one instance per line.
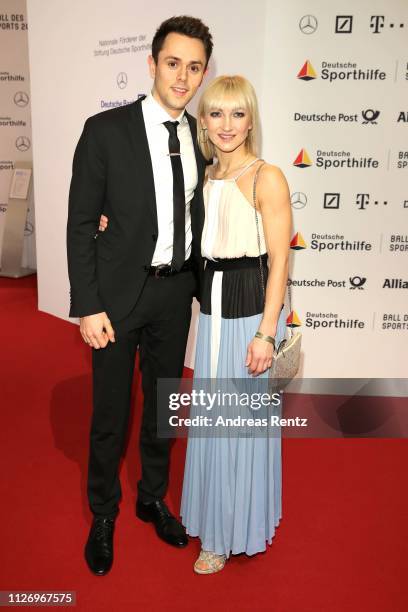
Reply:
x=236, y=264
x=166, y=270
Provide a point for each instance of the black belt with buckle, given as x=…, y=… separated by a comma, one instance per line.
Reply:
x=164, y=270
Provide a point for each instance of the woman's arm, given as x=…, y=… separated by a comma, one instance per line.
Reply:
x=274, y=204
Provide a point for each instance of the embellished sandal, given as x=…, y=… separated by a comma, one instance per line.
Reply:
x=209, y=563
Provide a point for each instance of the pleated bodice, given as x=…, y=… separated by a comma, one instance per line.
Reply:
x=230, y=227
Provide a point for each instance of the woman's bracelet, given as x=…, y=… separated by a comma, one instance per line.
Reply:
x=269, y=339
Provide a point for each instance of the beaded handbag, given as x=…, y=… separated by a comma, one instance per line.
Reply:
x=286, y=357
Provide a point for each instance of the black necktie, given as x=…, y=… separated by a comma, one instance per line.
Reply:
x=179, y=198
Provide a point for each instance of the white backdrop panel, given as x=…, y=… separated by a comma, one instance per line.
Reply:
x=70, y=81
x=15, y=119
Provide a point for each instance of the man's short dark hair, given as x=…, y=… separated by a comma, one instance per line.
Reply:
x=183, y=24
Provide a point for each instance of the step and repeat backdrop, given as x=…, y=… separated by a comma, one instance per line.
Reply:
x=335, y=118
x=15, y=117
x=332, y=82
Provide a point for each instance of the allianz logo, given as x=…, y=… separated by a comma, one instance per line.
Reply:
x=395, y=283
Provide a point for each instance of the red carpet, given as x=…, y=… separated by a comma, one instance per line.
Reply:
x=342, y=544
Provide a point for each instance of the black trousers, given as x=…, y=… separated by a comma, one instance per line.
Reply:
x=159, y=325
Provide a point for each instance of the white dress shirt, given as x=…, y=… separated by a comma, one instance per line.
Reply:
x=158, y=138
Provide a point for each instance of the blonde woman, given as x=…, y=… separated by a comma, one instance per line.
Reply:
x=232, y=485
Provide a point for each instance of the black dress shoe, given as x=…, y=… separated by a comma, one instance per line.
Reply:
x=99, y=547
x=168, y=528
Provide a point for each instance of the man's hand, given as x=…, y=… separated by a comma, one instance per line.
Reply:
x=103, y=223
x=97, y=330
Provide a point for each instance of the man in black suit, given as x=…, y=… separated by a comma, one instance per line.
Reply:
x=132, y=285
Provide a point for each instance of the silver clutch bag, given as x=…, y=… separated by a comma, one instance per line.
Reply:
x=286, y=357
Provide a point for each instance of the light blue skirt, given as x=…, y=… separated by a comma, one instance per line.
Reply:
x=232, y=487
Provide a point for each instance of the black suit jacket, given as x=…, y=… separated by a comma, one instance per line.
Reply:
x=112, y=174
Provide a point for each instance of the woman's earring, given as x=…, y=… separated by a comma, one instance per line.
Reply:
x=203, y=136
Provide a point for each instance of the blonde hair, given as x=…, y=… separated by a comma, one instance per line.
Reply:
x=240, y=91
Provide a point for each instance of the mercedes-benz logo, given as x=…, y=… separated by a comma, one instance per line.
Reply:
x=298, y=200
x=122, y=80
x=21, y=99
x=308, y=24
x=23, y=143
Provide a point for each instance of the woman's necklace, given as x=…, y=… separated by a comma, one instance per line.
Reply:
x=229, y=171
